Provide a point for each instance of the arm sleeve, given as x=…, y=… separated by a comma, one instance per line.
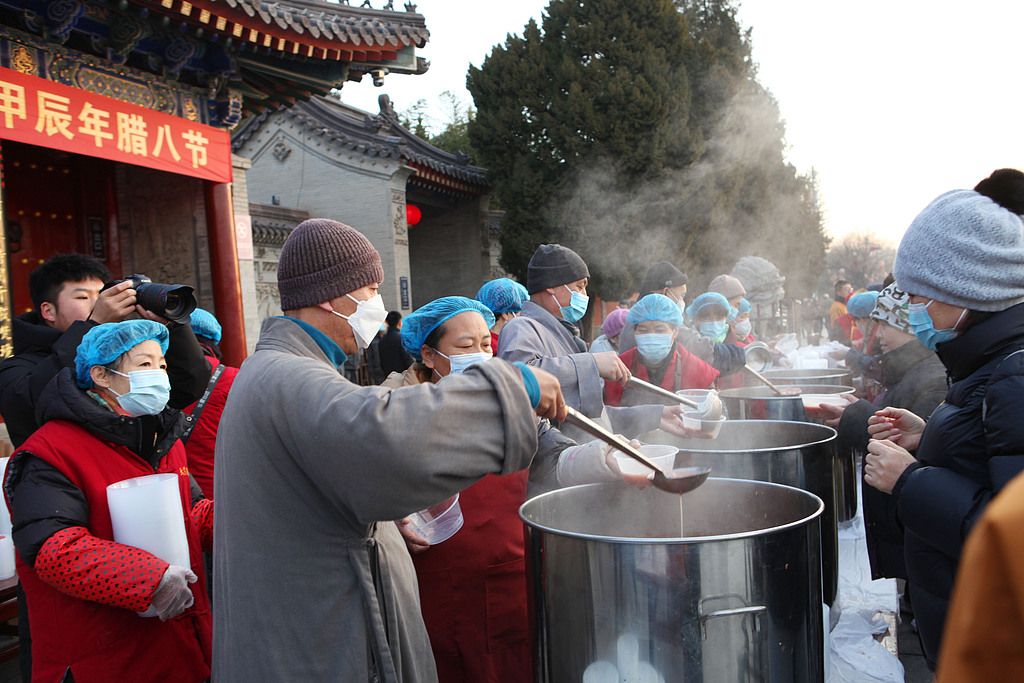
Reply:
x=728, y=358
x=576, y=372
x=695, y=343
x=942, y=506
x=431, y=439
x=543, y=470
x=202, y=518
x=187, y=367
x=43, y=502
x=90, y=568
x=633, y=421
x=22, y=381
x=853, y=426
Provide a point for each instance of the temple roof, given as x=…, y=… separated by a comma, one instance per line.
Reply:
x=379, y=135
x=267, y=54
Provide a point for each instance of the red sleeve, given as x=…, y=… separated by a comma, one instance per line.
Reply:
x=83, y=566
x=202, y=518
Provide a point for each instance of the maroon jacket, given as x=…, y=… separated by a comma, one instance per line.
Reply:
x=201, y=443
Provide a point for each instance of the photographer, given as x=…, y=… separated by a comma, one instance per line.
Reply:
x=66, y=293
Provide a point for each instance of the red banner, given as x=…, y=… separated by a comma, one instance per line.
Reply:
x=40, y=112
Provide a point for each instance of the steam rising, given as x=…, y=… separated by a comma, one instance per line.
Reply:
x=739, y=198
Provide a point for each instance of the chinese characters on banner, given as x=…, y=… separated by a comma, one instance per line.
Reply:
x=40, y=112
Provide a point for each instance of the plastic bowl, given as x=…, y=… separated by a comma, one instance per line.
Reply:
x=816, y=400
x=662, y=456
x=438, y=522
x=692, y=420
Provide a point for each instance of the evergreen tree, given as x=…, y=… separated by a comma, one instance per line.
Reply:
x=636, y=132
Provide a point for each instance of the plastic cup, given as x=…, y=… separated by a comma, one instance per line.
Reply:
x=438, y=522
x=817, y=400
x=692, y=420
x=662, y=456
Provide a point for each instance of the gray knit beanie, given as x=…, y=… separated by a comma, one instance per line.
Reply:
x=728, y=286
x=553, y=265
x=322, y=260
x=966, y=250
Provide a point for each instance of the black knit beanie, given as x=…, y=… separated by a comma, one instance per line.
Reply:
x=659, y=276
x=553, y=265
x=322, y=260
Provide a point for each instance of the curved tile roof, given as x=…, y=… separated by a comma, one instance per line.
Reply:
x=380, y=136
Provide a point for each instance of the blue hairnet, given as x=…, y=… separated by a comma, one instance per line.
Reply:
x=105, y=343
x=418, y=325
x=655, y=307
x=704, y=300
x=744, y=306
x=861, y=305
x=503, y=296
x=205, y=325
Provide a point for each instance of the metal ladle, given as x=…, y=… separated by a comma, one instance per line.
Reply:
x=680, y=480
x=711, y=411
x=788, y=391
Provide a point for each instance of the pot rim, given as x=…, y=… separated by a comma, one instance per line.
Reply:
x=675, y=540
x=734, y=393
x=829, y=434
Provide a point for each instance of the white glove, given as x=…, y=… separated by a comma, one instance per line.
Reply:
x=172, y=595
x=586, y=464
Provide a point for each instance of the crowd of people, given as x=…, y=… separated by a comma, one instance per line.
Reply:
x=311, y=569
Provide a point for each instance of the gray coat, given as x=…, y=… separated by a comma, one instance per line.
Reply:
x=310, y=585
x=537, y=338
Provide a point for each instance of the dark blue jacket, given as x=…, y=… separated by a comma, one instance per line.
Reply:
x=973, y=445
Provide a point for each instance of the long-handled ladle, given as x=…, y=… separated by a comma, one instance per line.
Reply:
x=680, y=480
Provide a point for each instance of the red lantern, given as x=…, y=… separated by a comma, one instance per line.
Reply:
x=412, y=214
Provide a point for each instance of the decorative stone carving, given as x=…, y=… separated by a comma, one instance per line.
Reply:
x=281, y=150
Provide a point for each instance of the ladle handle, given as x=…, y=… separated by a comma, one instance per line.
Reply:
x=594, y=429
x=755, y=373
x=664, y=393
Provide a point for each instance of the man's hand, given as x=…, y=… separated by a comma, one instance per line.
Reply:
x=552, y=403
x=833, y=414
x=611, y=368
x=413, y=541
x=639, y=480
x=884, y=464
x=897, y=425
x=672, y=422
x=115, y=304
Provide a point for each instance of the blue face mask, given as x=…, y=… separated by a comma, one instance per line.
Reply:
x=148, y=392
x=654, y=347
x=715, y=330
x=577, y=307
x=460, y=361
x=923, y=328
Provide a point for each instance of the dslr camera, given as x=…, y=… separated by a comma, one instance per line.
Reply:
x=174, y=302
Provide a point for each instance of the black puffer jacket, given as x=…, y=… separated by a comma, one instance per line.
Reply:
x=973, y=445
x=914, y=378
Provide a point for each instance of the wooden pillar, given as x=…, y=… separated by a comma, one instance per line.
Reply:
x=227, y=283
x=6, y=296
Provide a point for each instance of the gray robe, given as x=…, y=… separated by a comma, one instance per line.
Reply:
x=538, y=339
x=313, y=581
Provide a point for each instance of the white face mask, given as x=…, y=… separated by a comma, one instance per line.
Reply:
x=743, y=328
x=460, y=361
x=367, y=319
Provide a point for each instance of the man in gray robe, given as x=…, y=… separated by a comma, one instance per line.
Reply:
x=545, y=336
x=313, y=580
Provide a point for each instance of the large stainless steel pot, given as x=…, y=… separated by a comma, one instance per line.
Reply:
x=736, y=597
x=809, y=376
x=759, y=403
x=797, y=454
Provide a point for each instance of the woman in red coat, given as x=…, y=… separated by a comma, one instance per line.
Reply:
x=658, y=357
x=106, y=422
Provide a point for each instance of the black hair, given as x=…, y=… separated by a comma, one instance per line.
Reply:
x=393, y=318
x=1006, y=188
x=840, y=283
x=46, y=281
x=435, y=335
x=209, y=347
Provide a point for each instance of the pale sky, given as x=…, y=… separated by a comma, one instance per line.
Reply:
x=892, y=102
